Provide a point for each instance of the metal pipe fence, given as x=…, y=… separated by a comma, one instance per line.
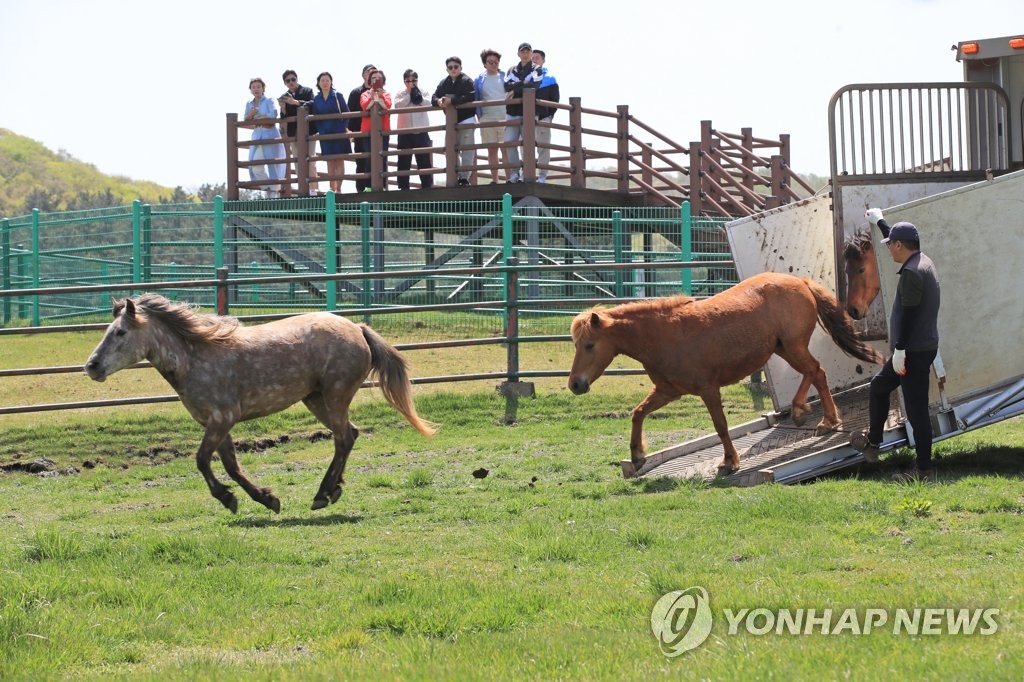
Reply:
x=510, y=306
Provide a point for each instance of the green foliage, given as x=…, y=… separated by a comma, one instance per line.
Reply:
x=32, y=176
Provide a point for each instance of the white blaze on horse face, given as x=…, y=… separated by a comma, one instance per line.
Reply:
x=119, y=348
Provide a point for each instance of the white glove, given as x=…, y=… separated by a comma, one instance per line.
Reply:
x=899, y=362
x=873, y=215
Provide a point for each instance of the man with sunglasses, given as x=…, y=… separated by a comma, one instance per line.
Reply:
x=455, y=89
x=297, y=96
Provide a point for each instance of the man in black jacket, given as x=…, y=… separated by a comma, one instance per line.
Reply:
x=914, y=339
x=297, y=96
x=455, y=89
x=515, y=81
x=362, y=145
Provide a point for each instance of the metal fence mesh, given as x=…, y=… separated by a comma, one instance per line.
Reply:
x=143, y=244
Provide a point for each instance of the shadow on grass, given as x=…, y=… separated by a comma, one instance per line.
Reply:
x=288, y=521
x=995, y=460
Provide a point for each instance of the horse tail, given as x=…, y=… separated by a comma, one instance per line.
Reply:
x=393, y=375
x=839, y=326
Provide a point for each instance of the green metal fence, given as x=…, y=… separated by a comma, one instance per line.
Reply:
x=140, y=244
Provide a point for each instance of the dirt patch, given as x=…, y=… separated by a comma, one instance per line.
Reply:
x=153, y=455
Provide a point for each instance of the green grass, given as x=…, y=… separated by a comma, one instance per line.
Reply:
x=547, y=568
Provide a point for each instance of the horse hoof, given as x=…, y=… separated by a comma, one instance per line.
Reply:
x=229, y=501
x=319, y=503
x=799, y=414
x=824, y=429
x=725, y=469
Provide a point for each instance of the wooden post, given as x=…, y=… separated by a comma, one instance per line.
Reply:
x=577, y=160
x=302, y=151
x=775, y=200
x=647, y=158
x=376, y=149
x=232, y=180
x=696, y=178
x=451, y=151
x=747, y=161
x=529, y=134
x=622, y=151
x=709, y=179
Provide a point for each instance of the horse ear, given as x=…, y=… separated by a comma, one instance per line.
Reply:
x=129, y=308
x=595, y=320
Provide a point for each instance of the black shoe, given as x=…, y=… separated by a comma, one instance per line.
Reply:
x=463, y=182
x=860, y=443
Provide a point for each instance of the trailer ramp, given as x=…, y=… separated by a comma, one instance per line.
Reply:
x=770, y=446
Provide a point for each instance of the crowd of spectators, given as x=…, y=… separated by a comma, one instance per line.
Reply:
x=500, y=126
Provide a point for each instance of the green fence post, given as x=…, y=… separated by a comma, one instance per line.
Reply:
x=617, y=239
x=5, y=255
x=364, y=247
x=331, y=257
x=147, y=243
x=506, y=247
x=35, y=266
x=136, y=244
x=218, y=232
x=686, y=246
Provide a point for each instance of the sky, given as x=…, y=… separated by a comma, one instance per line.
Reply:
x=141, y=89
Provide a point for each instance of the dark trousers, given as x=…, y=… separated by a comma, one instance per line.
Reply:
x=423, y=162
x=915, y=399
x=362, y=146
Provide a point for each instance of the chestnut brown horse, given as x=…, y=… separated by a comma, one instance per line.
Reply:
x=226, y=373
x=690, y=346
x=862, y=279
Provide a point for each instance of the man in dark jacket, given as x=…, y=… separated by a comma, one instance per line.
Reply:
x=297, y=96
x=515, y=81
x=914, y=339
x=362, y=145
x=458, y=88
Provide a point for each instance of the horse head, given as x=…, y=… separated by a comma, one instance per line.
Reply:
x=862, y=279
x=594, y=350
x=121, y=345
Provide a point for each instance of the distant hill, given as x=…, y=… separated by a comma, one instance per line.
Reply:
x=32, y=176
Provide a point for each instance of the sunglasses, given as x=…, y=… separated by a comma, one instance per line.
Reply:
x=412, y=80
x=290, y=79
x=454, y=67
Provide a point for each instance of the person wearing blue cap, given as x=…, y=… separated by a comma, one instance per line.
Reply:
x=914, y=341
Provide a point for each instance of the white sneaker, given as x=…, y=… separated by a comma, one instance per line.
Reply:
x=515, y=178
x=541, y=179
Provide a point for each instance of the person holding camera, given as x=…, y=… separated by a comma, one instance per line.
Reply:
x=515, y=81
x=547, y=90
x=295, y=97
x=456, y=89
x=411, y=96
x=327, y=101
x=375, y=96
x=362, y=144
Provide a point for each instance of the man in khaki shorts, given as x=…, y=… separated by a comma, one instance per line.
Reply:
x=490, y=86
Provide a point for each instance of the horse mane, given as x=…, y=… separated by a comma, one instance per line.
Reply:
x=583, y=324
x=185, y=320
x=858, y=244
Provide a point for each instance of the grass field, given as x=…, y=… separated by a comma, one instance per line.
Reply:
x=122, y=566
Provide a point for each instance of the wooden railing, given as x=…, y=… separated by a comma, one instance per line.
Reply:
x=721, y=174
